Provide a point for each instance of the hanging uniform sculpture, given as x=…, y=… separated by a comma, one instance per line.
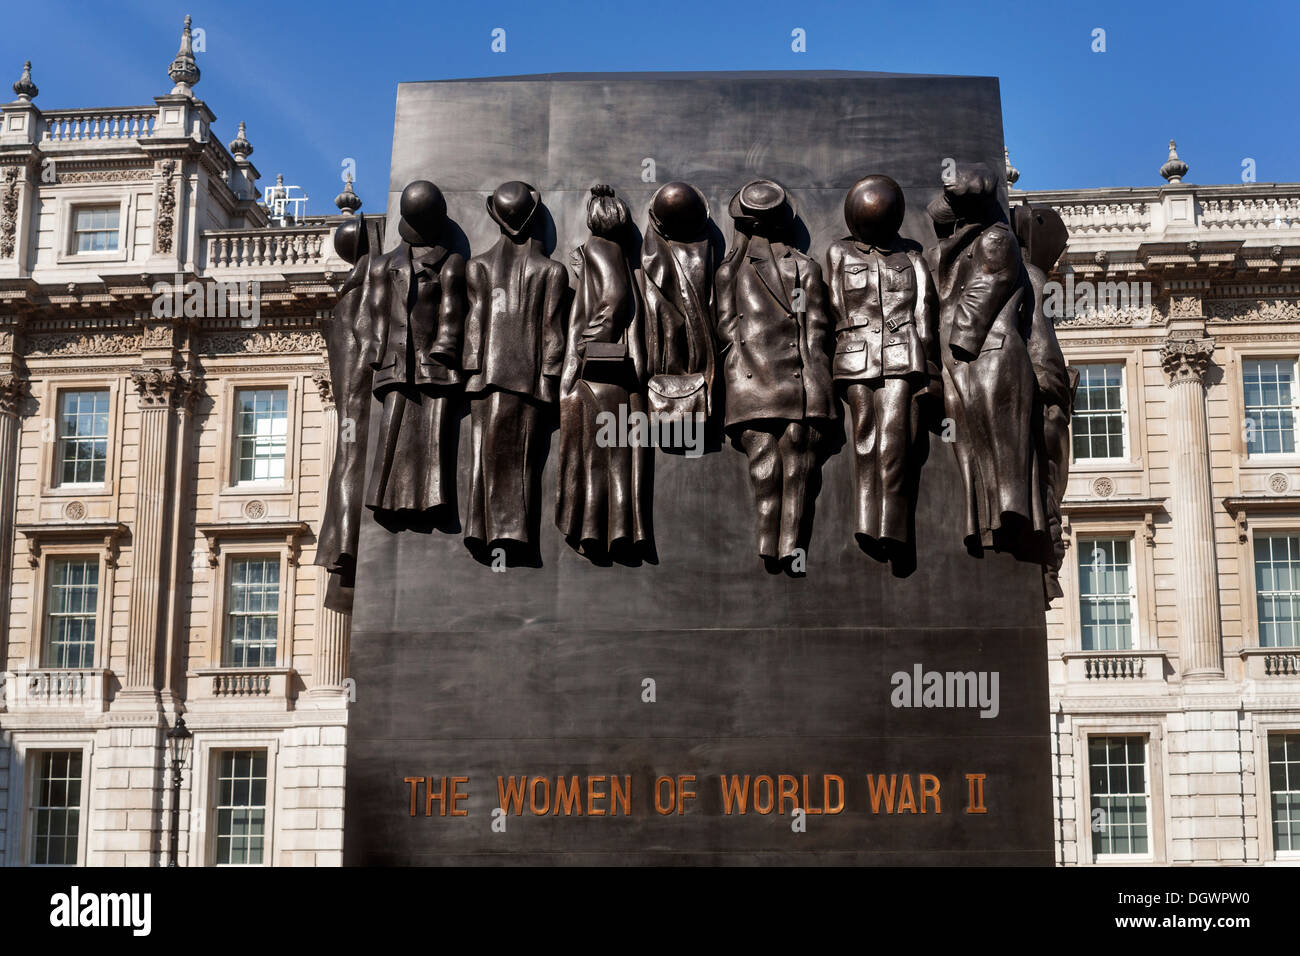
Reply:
x=514, y=351
x=775, y=335
x=603, y=505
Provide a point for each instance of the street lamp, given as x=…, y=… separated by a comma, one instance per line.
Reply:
x=178, y=745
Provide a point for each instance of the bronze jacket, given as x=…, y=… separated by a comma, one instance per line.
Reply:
x=776, y=358
x=886, y=313
x=514, y=334
x=417, y=301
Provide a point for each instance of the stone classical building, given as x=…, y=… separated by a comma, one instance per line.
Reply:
x=165, y=421
x=1175, y=653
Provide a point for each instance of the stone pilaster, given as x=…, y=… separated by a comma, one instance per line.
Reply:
x=13, y=393
x=1186, y=359
x=161, y=392
x=330, y=650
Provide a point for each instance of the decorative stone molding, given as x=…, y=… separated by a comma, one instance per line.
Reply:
x=166, y=388
x=8, y=212
x=1186, y=359
x=166, y=220
x=255, y=509
x=1103, y=487
x=108, y=534
x=77, y=343
x=75, y=510
x=262, y=342
x=14, y=391
x=321, y=379
x=1253, y=310
x=289, y=531
x=105, y=175
x=1278, y=483
x=1184, y=306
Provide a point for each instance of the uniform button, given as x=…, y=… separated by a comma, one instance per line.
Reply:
x=742, y=341
x=749, y=375
x=796, y=374
x=791, y=345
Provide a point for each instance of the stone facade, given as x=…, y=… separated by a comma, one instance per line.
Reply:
x=118, y=227
x=1204, y=477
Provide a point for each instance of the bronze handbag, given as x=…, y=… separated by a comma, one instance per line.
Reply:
x=603, y=361
x=673, y=397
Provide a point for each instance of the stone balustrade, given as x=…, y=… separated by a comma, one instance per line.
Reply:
x=114, y=123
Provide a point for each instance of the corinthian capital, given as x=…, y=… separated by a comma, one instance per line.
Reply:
x=1186, y=359
x=166, y=388
x=13, y=392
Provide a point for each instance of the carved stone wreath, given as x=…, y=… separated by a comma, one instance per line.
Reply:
x=1103, y=487
x=255, y=509
x=74, y=511
x=1278, y=483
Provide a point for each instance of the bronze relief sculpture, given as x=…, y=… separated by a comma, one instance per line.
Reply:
x=603, y=506
x=775, y=332
x=417, y=299
x=989, y=385
x=349, y=342
x=885, y=308
x=677, y=270
x=513, y=356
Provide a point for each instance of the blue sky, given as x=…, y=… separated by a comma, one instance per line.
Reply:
x=316, y=82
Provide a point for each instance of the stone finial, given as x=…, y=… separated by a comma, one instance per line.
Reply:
x=348, y=201
x=184, y=71
x=240, y=147
x=25, y=88
x=1013, y=174
x=1174, y=168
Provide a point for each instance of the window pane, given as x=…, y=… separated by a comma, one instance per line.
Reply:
x=1277, y=589
x=95, y=228
x=1267, y=387
x=252, y=612
x=56, y=811
x=1119, y=801
x=72, y=601
x=1105, y=594
x=1098, y=420
x=241, y=807
x=262, y=424
x=83, y=436
x=1284, y=787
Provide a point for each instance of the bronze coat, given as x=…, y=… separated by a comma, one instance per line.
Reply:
x=517, y=344
x=418, y=322
x=776, y=361
x=989, y=385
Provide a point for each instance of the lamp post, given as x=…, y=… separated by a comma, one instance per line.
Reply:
x=178, y=745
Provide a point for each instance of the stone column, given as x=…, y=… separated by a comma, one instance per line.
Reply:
x=13, y=393
x=330, y=650
x=160, y=392
x=1186, y=359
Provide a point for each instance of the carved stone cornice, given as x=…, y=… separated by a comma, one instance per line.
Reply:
x=14, y=391
x=166, y=388
x=1186, y=359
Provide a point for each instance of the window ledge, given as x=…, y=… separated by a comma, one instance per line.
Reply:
x=1271, y=662
x=46, y=689
x=258, y=688
x=1106, y=466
